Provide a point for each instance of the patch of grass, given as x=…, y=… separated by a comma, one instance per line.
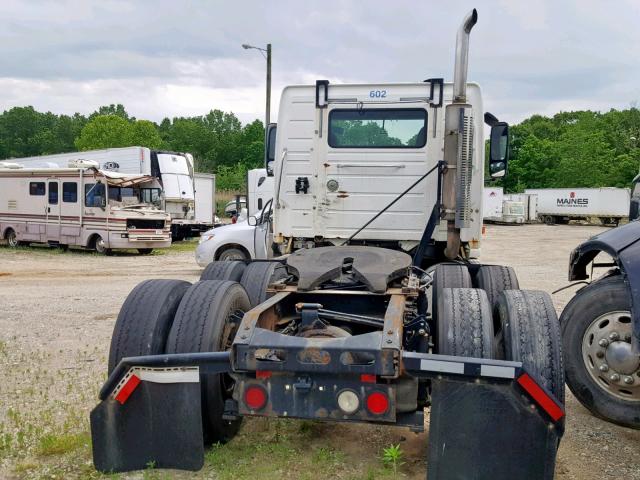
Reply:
x=25, y=467
x=52, y=444
x=183, y=246
x=327, y=457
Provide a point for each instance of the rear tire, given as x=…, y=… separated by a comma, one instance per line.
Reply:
x=224, y=271
x=447, y=275
x=257, y=277
x=530, y=333
x=206, y=321
x=607, y=298
x=145, y=251
x=494, y=279
x=465, y=325
x=145, y=319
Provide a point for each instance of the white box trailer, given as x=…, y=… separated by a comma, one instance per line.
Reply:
x=171, y=186
x=79, y=206
x=259, y=189
x=205, y=199
x=492, y=198
x=560, y=205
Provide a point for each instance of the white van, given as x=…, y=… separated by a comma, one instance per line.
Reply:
x=79, y=206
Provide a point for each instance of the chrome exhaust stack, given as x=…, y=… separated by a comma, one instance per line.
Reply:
x=458, y=145
x=461, y=66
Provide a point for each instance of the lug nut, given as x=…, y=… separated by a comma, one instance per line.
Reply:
x=600, y=354
x=604, y=367
x=604, y=342
x=613, y=336
x=628, y=380
x=614, y=377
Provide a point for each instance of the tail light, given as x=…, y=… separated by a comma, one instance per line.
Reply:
x=255, y=397
x=377, y=403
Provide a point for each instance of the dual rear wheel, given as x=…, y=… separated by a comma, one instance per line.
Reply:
x=497, y=320
x=174, y=316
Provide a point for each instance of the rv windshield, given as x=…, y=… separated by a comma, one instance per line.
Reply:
x=123, y=195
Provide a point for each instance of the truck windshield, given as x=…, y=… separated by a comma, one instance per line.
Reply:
x=378, y=128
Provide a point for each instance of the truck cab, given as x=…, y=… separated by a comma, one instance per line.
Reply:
x=342, y=153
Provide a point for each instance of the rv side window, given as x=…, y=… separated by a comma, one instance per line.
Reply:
x=378, y=128
x=36, y=188
x=69, y=192
x=94, y=195
x=53, y=193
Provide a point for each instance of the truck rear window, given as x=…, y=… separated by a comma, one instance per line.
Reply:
x=378, y=128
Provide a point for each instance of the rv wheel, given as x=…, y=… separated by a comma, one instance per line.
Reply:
x=465, y=325
x=145, y=318
x=100, y=246
x=530, y=333
x=12, y=238
x=206, y=321
x=145, y=251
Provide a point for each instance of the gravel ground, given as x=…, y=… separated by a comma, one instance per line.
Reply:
x=57, y=313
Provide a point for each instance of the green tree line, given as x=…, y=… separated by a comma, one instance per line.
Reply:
x=570, y=149
x=218, y=141
x=574, y=149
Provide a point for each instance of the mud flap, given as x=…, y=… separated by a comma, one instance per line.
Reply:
x=158, y=425
x=489, y=430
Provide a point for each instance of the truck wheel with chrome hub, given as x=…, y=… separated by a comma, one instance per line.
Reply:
x=602, y=370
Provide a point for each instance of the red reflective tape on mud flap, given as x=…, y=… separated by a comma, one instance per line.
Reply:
x=127, y=389
x=548, y=404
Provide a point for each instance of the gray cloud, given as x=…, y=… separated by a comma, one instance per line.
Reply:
x=183, y=58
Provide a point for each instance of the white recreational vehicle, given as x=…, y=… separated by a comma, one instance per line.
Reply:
x=79, y=206
x=170, y=186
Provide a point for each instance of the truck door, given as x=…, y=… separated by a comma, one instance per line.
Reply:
x=373, y=153
x=53, y=210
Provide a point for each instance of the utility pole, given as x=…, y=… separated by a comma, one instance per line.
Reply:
x=267, y=113
x=268, y=106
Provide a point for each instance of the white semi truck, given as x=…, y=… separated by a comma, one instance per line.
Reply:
x=560, y=205
x=172, y=187
x=343, y=332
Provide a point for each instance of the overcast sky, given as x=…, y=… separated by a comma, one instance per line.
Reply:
x=173, y=58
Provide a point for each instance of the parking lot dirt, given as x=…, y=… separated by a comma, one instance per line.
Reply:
x=57, y=312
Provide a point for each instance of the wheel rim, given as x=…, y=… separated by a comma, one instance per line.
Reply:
x=231, y=255
x=607, y=355
x=100, y=246
x=12, y=239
